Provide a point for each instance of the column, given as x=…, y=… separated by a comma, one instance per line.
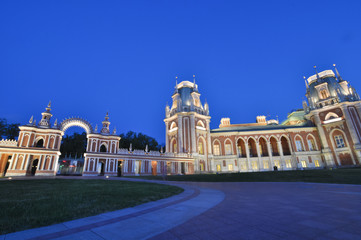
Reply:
x=352, y=130
x=326, y=151
x=259, y=157
x=280, y=150
x=25, y=161
x=12, y=161
x=180, y=135
x=270, y=154
x=15, y=162
x=193, y=134
x=247, y=154
x=55, y=164
x=166, y=137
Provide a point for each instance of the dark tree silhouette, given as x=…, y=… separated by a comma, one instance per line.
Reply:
x=73, y=145
x=138, y=140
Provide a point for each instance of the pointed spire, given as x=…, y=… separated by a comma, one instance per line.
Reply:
x=146, y=148
x=130, y=147
x=337, y=74
x=96, y=128
x=318, y=77
x=49, y=104
x=56, y=123
x=161, y=149
x=306, y=82
x=115, y=131
x=31, y=119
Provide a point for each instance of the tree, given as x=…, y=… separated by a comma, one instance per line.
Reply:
x=12, y=130
x=8, y=131
x=3, y=125
x=73, y=145
x=138, y=141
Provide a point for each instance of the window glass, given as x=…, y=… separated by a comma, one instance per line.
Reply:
x=228, y=149
x=216, y=150
x=299, y=146
x=219, y=167
x=339, y=141
x=311, y=144
x=230, y=167
x=265, y=165
x=254, y=165
x=288, y=163
x=304, y=164
x=277, y=164
x=200, y=148
x=317, y=163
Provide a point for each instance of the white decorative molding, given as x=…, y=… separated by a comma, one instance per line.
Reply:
x=8, y=143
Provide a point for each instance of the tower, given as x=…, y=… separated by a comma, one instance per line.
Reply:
x=187, y=125
x=335, y=108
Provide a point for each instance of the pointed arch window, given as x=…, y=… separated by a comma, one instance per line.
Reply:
x=200, y=147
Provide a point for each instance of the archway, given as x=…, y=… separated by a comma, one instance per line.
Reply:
x=285, y=146
x=263, y=147
x=252, y=147
x=73, y=146
x=241, y=146
x=34, y=166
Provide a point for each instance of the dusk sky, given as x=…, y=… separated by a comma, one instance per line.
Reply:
x=90, y=57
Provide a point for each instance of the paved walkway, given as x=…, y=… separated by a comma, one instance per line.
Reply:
x=226, y=211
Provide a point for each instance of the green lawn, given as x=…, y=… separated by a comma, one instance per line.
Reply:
x=27, y=204
x=346, y=176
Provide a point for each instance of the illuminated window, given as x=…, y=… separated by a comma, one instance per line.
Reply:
x=243, y=166
x=230, y=167
x=254, y=165
x=277, y=164
x=239, y=147
x=317, y=163
x=299, y=146
x=265, y=165
x=201, y=167
x=219, y=167
x=311, y=144
x=200, y=148
x=324, y=94
x=174, y=147
x=228, y=149
x=288, y=163
x=216, y=149
x=339, y=141
x=304, y=164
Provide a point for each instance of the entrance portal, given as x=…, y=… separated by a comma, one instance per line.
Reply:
x=34, y=166
x=120, y=165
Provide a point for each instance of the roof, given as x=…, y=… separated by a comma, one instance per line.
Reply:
x=260, y=128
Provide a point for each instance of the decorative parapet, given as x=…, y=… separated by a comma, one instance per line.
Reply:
x=8, y=143
x=151, y=153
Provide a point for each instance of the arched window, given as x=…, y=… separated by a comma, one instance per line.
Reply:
x=263, y=147
x=173, y=146
x=228, y=147
x=311, y=143
x=252, y=147
x=103, y=148
x=299, y=144
x=324, y=94
x=241, y=147
x=274, y=147
x=40, y=143
x=216, y=148
x=200, y=147
x=285, y=146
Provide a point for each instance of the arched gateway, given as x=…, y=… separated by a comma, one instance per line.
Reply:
x=37, y=151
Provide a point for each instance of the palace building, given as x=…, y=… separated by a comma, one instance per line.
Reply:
x=326, y=133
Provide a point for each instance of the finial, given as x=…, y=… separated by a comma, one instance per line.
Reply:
x=96, y=128
x=114, y=131
x=161, y=149
x=31, y=119
x=130, y=147
x=337, y=74
x=56, y=123
x=146, y=148
x=305, y=82
x=49, y=105
x=318, y=77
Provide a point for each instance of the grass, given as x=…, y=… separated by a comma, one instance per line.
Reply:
x=27, y=204
x=344, y=176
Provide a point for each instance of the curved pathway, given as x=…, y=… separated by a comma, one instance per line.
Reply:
x=225, y=211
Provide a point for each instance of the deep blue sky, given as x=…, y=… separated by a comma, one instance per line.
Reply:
x=90, y=57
